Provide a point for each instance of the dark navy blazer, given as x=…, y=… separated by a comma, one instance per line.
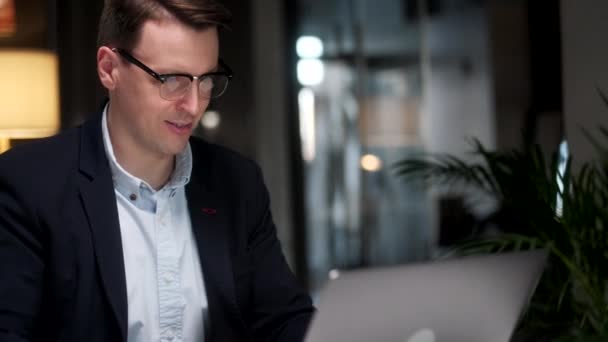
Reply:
x=62, y=274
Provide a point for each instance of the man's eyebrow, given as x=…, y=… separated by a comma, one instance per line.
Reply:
x=168, y=71
x=217, y=68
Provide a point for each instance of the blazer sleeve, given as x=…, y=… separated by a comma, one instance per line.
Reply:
x=21, y=260
x=282, y=309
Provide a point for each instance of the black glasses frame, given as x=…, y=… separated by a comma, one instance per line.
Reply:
x=163, y=77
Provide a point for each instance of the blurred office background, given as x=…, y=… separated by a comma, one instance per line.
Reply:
x=329, y=94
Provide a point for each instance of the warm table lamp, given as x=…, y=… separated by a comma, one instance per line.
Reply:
x=29, y=95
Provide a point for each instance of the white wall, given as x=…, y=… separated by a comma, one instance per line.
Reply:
x=457, y=84
x=458, y=91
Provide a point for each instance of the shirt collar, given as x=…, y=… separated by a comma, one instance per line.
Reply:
x=128, y=184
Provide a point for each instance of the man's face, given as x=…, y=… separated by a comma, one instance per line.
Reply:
x=140, y=119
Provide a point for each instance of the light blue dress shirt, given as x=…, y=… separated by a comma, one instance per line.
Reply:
x=165, y=287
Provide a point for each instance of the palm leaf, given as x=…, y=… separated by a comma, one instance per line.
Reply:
x=574, y=294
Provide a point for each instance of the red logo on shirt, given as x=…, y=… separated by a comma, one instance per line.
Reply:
x=209, y=211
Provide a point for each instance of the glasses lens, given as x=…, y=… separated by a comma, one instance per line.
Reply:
x=213, y=86
x=174, y=87
x=205, y=87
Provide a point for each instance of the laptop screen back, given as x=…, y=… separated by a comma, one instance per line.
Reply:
x=470, y=299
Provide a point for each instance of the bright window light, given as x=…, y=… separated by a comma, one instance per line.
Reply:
x=306, y=102
x=210, y=120
x=310, y=72
x=371, y=163
x=309, y=47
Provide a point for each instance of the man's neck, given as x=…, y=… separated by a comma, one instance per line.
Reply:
x=155, y=170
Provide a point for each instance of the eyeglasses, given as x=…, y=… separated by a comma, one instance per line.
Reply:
x=173, y=86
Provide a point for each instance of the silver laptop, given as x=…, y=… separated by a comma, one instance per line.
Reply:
x=469, y=299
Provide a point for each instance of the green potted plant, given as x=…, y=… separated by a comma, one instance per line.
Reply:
x=571, y=301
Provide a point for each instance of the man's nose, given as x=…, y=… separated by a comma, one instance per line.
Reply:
x=192, y=103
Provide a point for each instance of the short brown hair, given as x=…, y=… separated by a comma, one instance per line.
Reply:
x=121, y=20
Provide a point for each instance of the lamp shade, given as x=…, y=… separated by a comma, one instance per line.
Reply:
x=29, y=93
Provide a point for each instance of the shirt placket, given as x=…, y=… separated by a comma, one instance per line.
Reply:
x=170, y=298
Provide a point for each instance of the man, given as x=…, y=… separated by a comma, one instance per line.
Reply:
x=127, y=229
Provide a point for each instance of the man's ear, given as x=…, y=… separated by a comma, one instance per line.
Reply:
x=107, y=61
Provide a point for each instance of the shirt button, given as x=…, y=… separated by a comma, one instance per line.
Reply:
x=133, y=197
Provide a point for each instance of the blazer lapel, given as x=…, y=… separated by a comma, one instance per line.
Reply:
x=210, y=224
x=99, y=201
